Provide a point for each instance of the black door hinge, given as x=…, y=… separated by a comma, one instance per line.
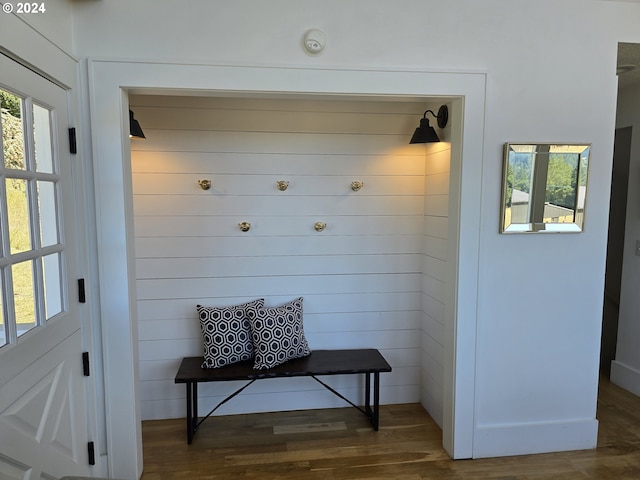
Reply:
x=92, y=453
x=73, y=146
x=85, y=364
x=82, y=297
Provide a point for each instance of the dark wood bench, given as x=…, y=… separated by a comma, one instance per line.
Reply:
x=321, y=362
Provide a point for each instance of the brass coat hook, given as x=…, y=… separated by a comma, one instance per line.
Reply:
x=205, y=184
x=320, y=226
x=356, y=185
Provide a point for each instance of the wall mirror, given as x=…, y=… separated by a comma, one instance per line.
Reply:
x=544, y=187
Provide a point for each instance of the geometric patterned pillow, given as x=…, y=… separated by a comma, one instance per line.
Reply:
x=278, y=334
x=227, y=333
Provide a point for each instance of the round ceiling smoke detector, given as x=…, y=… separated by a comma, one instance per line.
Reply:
x=314, y=41
x=625, y=69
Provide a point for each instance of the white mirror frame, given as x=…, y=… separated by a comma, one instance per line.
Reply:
x=520, y=211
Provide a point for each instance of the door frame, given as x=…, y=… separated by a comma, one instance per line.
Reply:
x=52, y=366
x=110, y=83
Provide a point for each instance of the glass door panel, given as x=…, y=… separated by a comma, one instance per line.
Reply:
x=42, y=139
x=23, y=297
x=52, y=285
x=47, y=213
x=12, y=108
x=18, y=215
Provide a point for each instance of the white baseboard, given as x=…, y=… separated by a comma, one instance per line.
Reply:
x=626, y=377
x=523, y=439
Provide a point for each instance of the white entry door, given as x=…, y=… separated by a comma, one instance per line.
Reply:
x=43, y=413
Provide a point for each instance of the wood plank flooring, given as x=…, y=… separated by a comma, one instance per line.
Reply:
x=339, y=444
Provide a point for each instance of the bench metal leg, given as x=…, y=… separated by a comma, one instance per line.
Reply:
x=193, y=420
x=367, y=395
x=376, y=401
x=192, y=410
x=372, y=413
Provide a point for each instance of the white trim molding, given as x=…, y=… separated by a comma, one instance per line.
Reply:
x=504, y=440
x=625, y=376
x=111, y=81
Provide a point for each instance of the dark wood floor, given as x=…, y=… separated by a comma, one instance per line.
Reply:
x=340, y=444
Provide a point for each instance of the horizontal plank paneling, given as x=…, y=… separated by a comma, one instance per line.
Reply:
x=159, y=389
x=434, y=267
x=434, y=288
x=281, y=143
x=348, y=166
x=158, y=375
x=165, y=369
x=432, y=360
x=274, y=225
x=189, y=327
x=243, y=205
x=252, y=245
x=435, y=247
x=363, y=279
x=437, y=159
x=433, y=308
x=434, y=329
x=235, y=120
x=309, y=105
x=164, y=349
x=276, y=284
x=437, y=184
x=252, y=403
x=432, y=403
x=154, y=268
x=436, y=227
x=331, y=303
x=299, y=185
x=344, y=383
x=437, y=205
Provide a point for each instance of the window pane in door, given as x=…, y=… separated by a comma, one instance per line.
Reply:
x=23, y=296
x=18, y=215
x=47, y=213
x=11, y=107
x=52, y=286
x=42, y=138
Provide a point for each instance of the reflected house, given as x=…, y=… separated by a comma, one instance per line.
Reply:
x=519, y=210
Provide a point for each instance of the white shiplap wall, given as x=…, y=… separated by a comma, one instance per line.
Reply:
x=362, y=278
x=436, y=203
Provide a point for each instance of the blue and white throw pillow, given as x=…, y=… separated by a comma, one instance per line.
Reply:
x=278, y=334
x=227, y=333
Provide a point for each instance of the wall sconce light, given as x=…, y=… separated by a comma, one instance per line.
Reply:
x=135, y=131
x=425, y=132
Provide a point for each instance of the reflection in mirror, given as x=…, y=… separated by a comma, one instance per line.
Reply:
x=544, y=188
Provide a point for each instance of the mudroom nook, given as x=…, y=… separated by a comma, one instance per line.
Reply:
x=372, y=275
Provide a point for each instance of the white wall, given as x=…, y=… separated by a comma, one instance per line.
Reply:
x=625, y=369
x=550, y=65
x=360, y=278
